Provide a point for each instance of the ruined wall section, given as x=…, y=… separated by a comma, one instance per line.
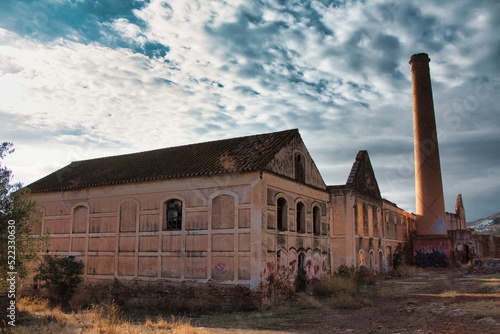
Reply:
x=121, y=231
x=365, y=230
x=341, y=210
x=398, y=225
x=296, y=240
x=369, y=233
x=452, y=221
x=285, y=163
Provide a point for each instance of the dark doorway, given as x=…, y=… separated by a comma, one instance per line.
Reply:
x=467, y=254
x=300, y=282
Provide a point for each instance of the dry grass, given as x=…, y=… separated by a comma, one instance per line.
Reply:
x=36, y=315
x=308, y=302
x=348, y=290
x=33, y=304
x=105, y=319
x=335, y=285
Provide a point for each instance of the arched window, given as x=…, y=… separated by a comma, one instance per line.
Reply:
x=300, y=170
x=282, y=214
x=80, y=219
x=361, y=258
x=223, y=212
x=301, y=217
x=128, y=217
x=316, y=220
x=388, y=255
x=173, y=217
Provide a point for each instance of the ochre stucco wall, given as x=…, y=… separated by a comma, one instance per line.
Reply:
x=118, y=231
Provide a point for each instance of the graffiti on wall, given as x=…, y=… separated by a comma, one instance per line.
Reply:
x=435, y=259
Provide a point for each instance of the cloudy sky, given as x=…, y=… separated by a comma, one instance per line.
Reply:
x=81, y=79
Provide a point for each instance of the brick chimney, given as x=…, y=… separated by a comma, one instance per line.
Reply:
x=431, y=227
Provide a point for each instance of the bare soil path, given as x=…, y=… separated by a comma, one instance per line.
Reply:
x=434, y=301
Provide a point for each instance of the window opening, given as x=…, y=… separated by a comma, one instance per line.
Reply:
x=282, y=214
x=174, y=215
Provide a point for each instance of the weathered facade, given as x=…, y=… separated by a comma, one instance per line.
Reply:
x=366, y=228
x=242, y=211
x=238, y=206
x=232, y=212
x=235, y=211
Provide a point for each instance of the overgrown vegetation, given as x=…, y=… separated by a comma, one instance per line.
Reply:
x=403, y=255
x=59, y=275
x=346, y=288
x=278, y=282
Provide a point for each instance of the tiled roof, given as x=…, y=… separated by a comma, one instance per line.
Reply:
x=209, y=158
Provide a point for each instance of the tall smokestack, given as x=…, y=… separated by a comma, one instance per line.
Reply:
x=428, y=184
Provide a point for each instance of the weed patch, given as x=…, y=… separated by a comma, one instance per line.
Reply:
x=345, y=281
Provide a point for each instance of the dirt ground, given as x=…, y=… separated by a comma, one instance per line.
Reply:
x=432, y=301
x=428, y=301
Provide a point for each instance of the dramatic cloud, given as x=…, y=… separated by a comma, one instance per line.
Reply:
x=82, y=79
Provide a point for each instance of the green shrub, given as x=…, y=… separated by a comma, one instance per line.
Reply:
x=59, y=275
x=344, y=271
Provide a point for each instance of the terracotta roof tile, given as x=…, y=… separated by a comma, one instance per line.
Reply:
x=209, y=158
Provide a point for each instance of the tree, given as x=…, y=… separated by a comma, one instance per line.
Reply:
x=60, y=275
x=15, y=205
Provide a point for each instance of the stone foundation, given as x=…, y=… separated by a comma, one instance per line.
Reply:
x=189, y=298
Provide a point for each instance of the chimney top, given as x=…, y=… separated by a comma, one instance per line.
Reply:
x=420, y=57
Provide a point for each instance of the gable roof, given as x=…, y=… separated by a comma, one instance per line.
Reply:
x=202, y=159
x=361, y=178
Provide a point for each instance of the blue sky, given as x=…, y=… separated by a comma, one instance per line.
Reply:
x=82, y=79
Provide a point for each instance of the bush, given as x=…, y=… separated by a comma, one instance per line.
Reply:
x=364, y=276
x=334, y=286
x=403, y=255
x=60, y=275
x=345, y=272
x=345, y=281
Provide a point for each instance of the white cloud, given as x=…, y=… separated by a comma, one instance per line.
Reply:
x=236, y=68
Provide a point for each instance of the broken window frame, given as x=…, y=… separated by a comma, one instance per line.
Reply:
x=173, y=215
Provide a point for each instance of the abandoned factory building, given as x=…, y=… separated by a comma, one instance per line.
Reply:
x=226, y=212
